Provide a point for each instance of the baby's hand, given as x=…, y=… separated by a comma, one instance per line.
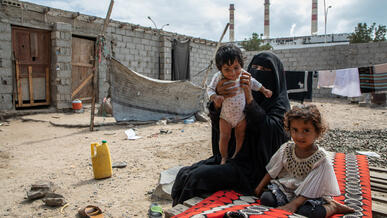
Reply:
x=267, y=93
x=218, y=100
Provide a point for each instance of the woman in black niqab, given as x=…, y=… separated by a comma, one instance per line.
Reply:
x=264, y=135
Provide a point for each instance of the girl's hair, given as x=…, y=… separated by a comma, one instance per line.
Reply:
x=227, y=54
x=306, y=113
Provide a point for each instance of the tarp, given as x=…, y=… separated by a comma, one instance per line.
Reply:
x=136, y=97
x=180, y=60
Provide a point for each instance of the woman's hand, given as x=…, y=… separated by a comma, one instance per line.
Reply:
x=245, y=84
x=226, y=90
x=218, y=100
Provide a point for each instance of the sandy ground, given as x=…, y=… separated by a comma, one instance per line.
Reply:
x=31, y=151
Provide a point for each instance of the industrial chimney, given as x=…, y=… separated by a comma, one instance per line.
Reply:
x=231, y=33
x=314, y=18
x=266, y=33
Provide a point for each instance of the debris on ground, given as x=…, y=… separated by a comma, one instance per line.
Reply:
x=345, y=141
x=119, y=164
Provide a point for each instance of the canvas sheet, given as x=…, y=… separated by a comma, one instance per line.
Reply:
x=136, y=97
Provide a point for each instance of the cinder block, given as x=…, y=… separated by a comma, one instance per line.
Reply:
x=120, y=31
x=62, y=43
x=64, y=27
x=6, y=102
x=55, y=35
x=130, y=32
x=5, y=27
x=5, y=36
x=6, y=86
x=117, y=37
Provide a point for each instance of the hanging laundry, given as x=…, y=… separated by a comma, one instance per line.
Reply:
x=326, y=78
x=347, y=83
x=366, y=79
x=299, y=84
x=373, y=79
x=380, y=78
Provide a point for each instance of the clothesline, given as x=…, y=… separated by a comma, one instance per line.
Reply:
x=352, y=82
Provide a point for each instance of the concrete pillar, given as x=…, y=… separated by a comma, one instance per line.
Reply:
x=6, y=76
x=165, y=58
x=61, y=43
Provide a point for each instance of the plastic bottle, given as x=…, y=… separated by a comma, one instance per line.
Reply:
x=100, y=158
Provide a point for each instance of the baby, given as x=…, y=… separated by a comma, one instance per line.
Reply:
x=230, y=63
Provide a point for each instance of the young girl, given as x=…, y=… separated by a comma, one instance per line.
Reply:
x=301, y=176
x=229, y=62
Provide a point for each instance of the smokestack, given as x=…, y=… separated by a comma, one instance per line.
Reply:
x=314, y=18
x=266, y=33
x=231, y=33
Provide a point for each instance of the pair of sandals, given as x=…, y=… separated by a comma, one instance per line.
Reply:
x=90, y=211
x=155, y=211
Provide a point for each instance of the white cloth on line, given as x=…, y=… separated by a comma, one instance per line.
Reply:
x=326, y=78
x=347, y=83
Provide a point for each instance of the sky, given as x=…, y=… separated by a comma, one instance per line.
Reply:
x=207, y=18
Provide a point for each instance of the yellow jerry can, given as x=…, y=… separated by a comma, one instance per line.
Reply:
x=100, y=158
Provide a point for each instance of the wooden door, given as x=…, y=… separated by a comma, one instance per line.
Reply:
x=31, y=48
x=82, y=68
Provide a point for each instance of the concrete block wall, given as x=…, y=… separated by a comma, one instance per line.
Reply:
x=136, y=49
x=200, y=57
x=6, y=75
x=334, y=57
x=61, y=65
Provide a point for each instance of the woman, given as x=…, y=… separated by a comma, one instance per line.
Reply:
x=264, y=135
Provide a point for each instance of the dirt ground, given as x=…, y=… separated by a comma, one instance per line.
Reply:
x=34, y=149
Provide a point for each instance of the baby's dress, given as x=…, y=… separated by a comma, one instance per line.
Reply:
x=232, y=108
x=311, y=177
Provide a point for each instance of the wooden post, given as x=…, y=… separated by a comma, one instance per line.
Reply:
x=95, y=71
x=47, y=85
x=19, y=88
x=30, y=84
x=213, y=57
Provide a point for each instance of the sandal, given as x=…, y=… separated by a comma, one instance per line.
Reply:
x=90, y=211
x=155, y=211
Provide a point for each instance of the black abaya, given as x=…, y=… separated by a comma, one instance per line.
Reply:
x=264, y=135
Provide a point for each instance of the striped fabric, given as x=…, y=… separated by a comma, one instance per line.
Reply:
x=373, y=79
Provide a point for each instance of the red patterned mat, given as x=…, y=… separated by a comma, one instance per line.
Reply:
x=352, y=174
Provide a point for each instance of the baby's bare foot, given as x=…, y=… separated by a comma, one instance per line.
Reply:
x=223, y=161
